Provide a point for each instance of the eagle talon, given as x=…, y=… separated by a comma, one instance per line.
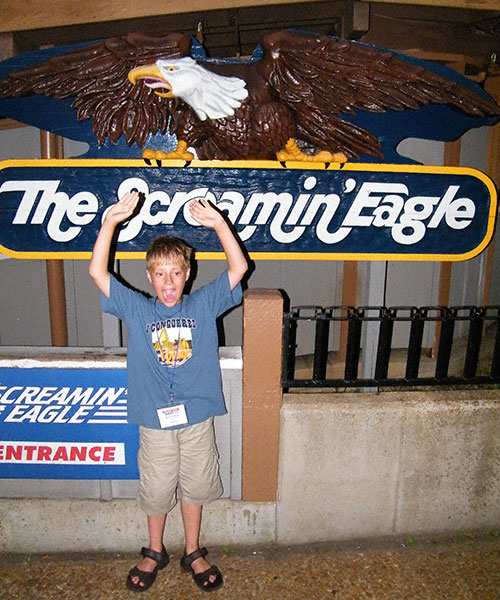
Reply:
x=180, y=153
x=291, y=151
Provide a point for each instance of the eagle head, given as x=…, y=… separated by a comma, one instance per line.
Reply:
x=210, y=95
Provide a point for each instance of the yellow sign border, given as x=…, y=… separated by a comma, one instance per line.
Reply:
x=268, y=164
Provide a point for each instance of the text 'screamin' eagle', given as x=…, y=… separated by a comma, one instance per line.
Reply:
x=299, y=98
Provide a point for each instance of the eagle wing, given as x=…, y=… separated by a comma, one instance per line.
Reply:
x=321, y=77
x=97, y=77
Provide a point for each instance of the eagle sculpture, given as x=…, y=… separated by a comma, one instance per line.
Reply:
x=298, y=98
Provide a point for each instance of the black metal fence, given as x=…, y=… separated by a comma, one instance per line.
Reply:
x=477, y=351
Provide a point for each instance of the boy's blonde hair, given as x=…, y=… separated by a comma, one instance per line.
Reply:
x=168, y=247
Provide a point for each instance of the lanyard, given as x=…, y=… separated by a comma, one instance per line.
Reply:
x=170, y=374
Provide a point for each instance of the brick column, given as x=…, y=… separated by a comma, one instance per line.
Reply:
x=262, y=393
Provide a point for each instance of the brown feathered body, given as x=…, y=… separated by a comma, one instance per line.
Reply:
x=297, y=89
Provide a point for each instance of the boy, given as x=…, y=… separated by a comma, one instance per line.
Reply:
x=174, y=387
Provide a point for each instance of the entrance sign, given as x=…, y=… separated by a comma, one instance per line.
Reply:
x=62, y=423
x=301, y=211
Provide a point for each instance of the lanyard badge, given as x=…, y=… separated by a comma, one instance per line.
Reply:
x=171, y=415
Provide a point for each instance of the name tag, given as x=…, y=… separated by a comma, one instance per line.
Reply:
x=172, y=415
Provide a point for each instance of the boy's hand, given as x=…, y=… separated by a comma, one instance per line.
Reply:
x=123, y=209
x=117, y=213
x=205, y=214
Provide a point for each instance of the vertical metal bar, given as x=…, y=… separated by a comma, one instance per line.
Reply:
x=474, y=341
x=384, y=343
x=289, y=345
x=445, y=342
x=415, y=343
x=495, y=361
x=355, y=319
x=321, y=345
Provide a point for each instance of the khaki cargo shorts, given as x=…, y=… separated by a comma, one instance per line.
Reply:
x=178, y=463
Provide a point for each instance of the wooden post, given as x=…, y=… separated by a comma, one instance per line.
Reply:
x=52, y=147
x=492, y=86
x=451, y=159
x=262, y=393
x=6, y=46
x=349, y=289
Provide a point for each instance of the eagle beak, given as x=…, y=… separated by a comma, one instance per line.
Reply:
x=152, y=78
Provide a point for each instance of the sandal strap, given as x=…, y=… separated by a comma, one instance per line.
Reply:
x=202, y=580
x=188, y=559
x=145, y=578
x=161, y=558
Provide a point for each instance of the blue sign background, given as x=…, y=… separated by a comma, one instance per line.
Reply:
x=104, y=432
x=441, y=241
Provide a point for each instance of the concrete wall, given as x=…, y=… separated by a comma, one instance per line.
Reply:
x=39, y=526
x=350, y=466
x=366, y=465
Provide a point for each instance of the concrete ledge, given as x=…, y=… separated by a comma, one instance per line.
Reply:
x=367, y=465
x=351, y=466
x=59, y=525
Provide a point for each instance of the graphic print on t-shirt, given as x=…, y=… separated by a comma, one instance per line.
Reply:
x=172, y=341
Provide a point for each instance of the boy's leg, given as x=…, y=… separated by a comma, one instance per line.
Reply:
x=199, y=483
x=157, y=459
x=156, y=527
x=191, y=518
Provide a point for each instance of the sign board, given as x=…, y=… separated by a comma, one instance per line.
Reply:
x=301, y=211
x=66, y=423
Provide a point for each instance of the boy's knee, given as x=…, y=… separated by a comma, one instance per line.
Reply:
x=202, y=494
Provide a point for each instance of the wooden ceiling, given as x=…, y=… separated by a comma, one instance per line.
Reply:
x=454, y=27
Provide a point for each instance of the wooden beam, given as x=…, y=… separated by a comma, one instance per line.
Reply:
x=32, y=14
x=10, y=124
x=469, y=4
x=451, y=59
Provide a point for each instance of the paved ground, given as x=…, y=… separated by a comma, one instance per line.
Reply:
x=459, y=567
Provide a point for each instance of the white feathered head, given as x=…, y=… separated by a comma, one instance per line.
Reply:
x=210, y=95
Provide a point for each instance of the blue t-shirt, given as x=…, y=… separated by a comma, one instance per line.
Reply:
x=160, y=337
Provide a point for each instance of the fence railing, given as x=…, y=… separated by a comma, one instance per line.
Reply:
x=473, y=358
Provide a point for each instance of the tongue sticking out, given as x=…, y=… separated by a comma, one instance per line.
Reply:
x=169, y=296
x=155, y=83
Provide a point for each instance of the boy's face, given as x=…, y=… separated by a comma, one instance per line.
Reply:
x=168, y=279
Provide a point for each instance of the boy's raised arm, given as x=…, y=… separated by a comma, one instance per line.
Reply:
x=98, y=266
x=205, y=214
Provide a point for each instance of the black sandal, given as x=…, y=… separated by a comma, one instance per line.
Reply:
x=147, y=578
x=202, y=580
